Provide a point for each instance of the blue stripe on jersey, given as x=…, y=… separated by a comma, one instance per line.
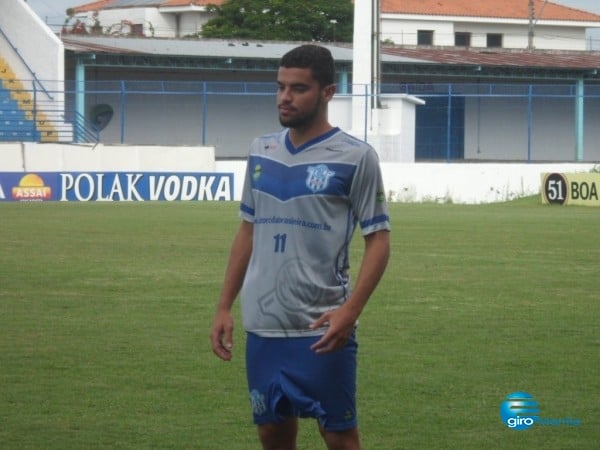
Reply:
x=375, y=220
x=246, y=209
x=286, y=182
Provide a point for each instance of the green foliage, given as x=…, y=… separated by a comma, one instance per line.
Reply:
x=282, y=20
x=105, y=312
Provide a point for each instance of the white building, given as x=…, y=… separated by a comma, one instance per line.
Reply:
x=149, y=18
x=510, y=24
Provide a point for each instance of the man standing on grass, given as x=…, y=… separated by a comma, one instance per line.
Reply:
x=306, y=189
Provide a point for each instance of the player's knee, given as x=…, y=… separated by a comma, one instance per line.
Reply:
x=278, y=436
x=341, y=440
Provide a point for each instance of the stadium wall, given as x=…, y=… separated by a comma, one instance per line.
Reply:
x=34, y=157
x=35, y=44
x=467, y=183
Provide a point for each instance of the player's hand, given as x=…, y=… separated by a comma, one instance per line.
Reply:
x=341, y=326
x=221, y=336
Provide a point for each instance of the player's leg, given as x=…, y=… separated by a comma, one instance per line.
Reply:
x=279, y=436
x=271, y=411
x=337, y=395
x=341, y=440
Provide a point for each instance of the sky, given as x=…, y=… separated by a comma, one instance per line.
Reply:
x=53, y=11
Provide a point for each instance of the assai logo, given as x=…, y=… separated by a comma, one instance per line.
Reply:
x=519, y=410
x=31, y=188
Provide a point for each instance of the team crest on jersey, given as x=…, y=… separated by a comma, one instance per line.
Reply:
x=257, y=401
x=318, y=177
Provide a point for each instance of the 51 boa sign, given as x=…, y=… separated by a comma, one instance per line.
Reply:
x=115, y=186
x=571, y=189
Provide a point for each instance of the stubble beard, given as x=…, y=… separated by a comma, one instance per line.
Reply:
x=303, y=121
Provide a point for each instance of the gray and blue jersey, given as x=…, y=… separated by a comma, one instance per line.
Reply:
x=305, y=204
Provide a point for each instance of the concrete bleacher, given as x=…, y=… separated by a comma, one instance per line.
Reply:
x=14, y=125
x=19, y=119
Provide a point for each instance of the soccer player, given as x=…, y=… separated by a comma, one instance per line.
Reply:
x=306, y=189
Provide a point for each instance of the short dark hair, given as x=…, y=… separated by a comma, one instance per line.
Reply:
x=314, y=57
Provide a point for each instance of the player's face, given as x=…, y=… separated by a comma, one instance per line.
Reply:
x=300, y=99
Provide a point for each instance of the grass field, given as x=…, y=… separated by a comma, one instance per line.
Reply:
x=105, y=310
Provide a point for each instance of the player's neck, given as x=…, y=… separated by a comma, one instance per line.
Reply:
x=301, y=135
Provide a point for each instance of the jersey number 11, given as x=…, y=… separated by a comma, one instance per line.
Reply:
x=280, y=242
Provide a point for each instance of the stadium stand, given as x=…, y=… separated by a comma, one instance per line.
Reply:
x=19, y=119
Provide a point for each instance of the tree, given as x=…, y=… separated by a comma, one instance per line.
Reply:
x=282, y=20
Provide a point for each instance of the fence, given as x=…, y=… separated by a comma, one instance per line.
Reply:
x=32, y=114
x=491, y=122
x=554, y=122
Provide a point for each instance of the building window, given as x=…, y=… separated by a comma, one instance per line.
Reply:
x=424, y=37
x=462, y=39
x=494, y=40
x=137, y=29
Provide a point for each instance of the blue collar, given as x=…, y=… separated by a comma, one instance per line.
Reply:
x=293, y=150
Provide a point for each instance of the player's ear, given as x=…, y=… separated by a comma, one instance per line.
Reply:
x=328, y=91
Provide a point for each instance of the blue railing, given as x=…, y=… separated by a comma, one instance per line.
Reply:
x=31, y=120
x=458, y=121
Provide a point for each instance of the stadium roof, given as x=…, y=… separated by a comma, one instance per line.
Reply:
x=500, y=57
x=189, y=47
x=206, y=54
x=495, y=63
x=198, y=53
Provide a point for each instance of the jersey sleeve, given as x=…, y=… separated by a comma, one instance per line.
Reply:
x=367, y=195
x=247, y=203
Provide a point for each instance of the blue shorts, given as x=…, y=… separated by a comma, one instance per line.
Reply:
x=286, y=378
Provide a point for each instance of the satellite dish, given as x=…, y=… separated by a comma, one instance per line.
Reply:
x=101, y=115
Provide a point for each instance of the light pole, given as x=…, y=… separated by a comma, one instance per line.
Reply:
x=333, y=22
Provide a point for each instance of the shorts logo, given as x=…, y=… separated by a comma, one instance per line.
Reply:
x=318, y=177
x=348, y=415
x=257, y=400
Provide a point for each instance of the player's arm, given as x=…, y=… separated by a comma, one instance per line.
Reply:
x=342, y=320
x=222, y=330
